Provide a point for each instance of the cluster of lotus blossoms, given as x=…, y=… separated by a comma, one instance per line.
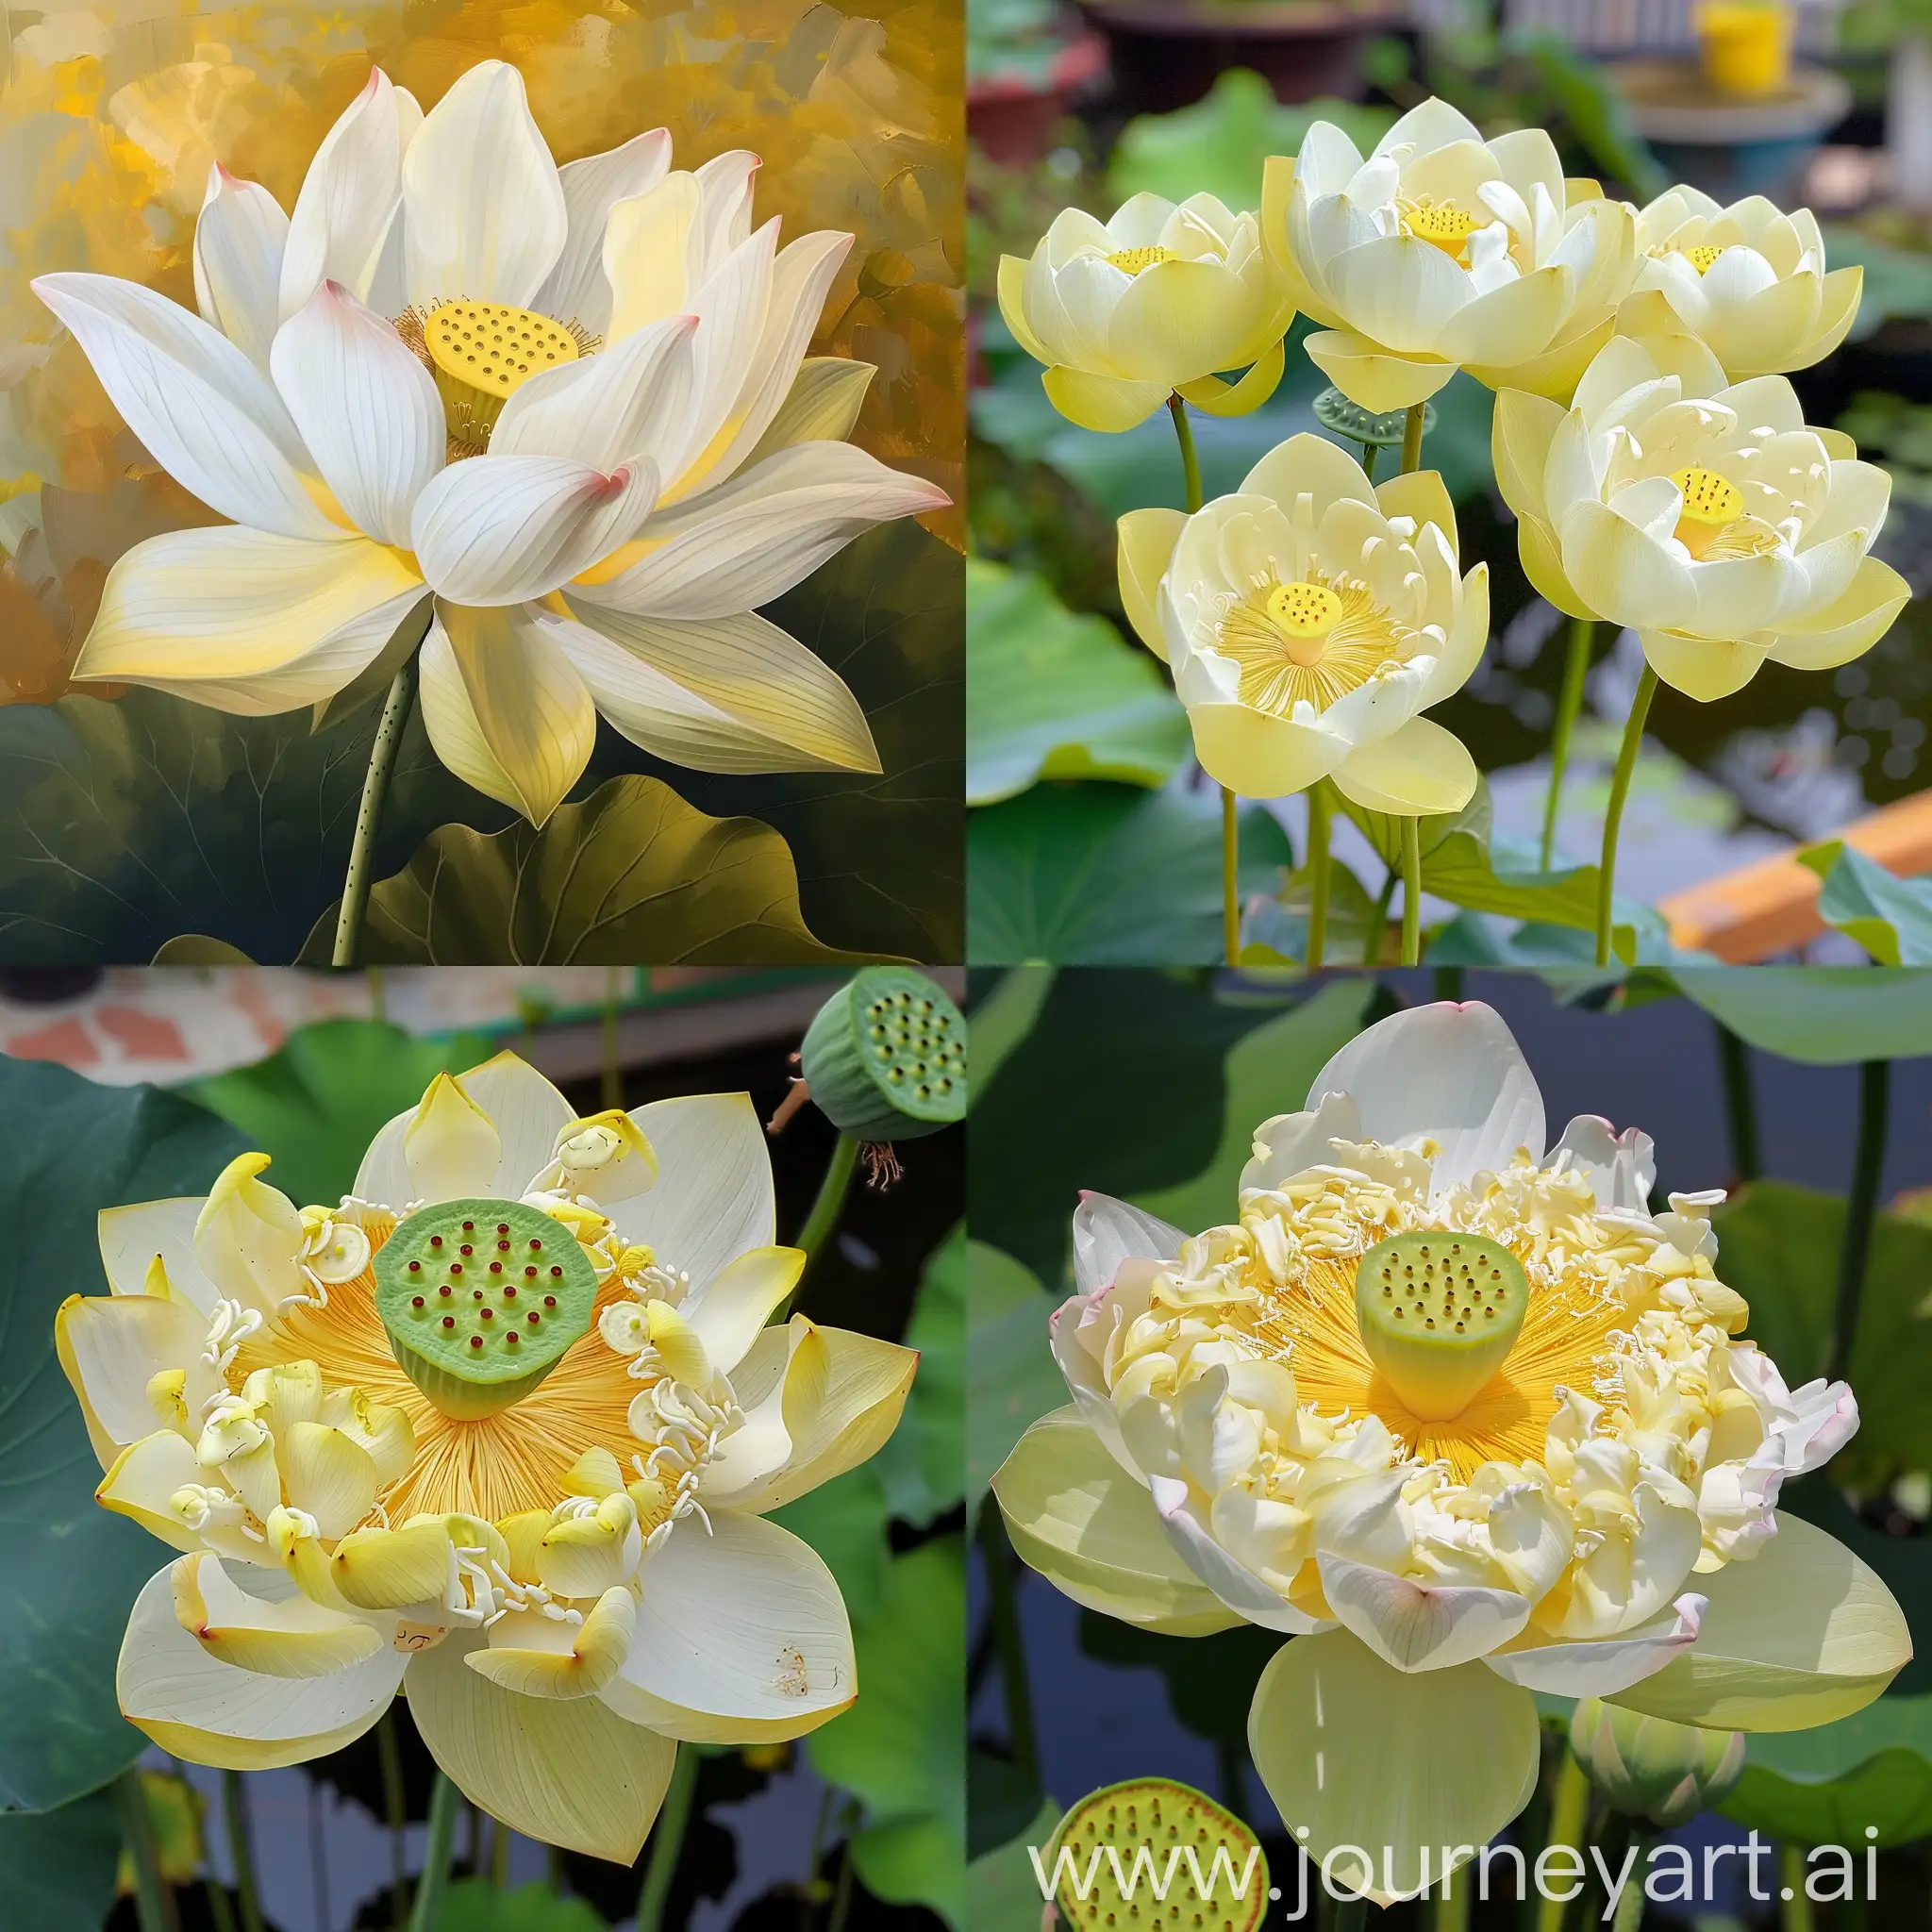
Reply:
x=498, y=1431
x=1723, y=531
x=563, y=417
x=1465, y=1418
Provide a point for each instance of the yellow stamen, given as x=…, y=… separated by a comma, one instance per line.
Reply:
x=1132, y=260
x=1702, y=256
x=1714, y=523
x=480, y=353
x=1316, y=638
x=1709, y=498
x=1442, y=224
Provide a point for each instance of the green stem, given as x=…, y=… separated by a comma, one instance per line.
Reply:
x=1452, y=1905
x=667, y=1839
x=1351, y=1914
x=219, y=1910
x=1630, y=1901
x=1741, y=1103
x=1569, y=705
x=154, y=1904
x=1613, y=816
x=235, y=1808
x=444, y=1802
x=382, y=759
x=1318, y=872
x=1230, y=874
x=842, y=1899
x=1412, y=438
x=1369, y=452
x=1868, y=1162
x=1797, y=1915
x=499, y=1855
x=830, y=1204
x=396, y=1811
x=1411, y=891
x=1378, y=925
x=1568, y=1810
x=1004, y=1608
x=1191, y=462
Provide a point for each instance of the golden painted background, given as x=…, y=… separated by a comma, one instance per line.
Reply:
x=111, y=115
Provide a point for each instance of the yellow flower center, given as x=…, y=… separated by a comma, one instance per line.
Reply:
x=1714, y=524
x=1130, y=261
x=1702, y=256
x=1709, y=498
x=480, y=353
x=1315, y=638
x=1442, y=224
x=1439, y=1314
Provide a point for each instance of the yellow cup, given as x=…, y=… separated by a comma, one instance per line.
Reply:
x=1745, y=45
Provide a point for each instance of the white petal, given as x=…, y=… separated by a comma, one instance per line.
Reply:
x=349, y=196
x=713, y=1197
x=1236, y=1585
x=366, y=407
x=649, y=258
x=1417, y=1626
x=238, y=241
x=632, y=396
x=168, y=1683
x=1601, y=1669
x=765, y=530
x=132, y=1236
x=743, y=1624
x=117, y=1344
x=503, y=705
x=245, y=621
x=731, y=304
x=1107, y=1232
x=730, y=1309
x=1448, y=1073
x=1621, y=1168
x=483, y=209
x=529, y=1114
x=577, y=289
x=498, y=530
x=720, y=695
x=206, y=414
x=449, y=1146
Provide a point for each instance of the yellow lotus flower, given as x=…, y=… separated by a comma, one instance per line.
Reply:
x=569, y=405
x=1309, y=619
x=1748, y=280
x=1466, y=1421
x=1127, y=312
x=1709, y=517
x=1442, y=251
x=500, y=1430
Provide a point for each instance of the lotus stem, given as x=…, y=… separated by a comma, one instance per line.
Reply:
x=830, y=1204
x=1797, y=1915
x=1230, y=875
x=1378, y=925
x=667, y=1839
x=1369, y=452
x=434, y=1883
x=235, y=1808
x=1741, y=1103
x=1412, y=438
x=396, y=1812
x=1861, y=1207
x=1569, y=705
x=1568, y=1810
x=1191, y=462
x=1004, y=1610
x=152, y=1902
x=1451, y=1906
x=1411, y=891
x=1613, y=816
x=1351, y=1914
x=1318, y=874
x=220, y=1911
x=499, y=1854
x=1631, y=1899
x=841, y=1898
x=382, y=760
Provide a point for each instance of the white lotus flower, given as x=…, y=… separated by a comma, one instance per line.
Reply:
x=1441, y=251
x=571, y=405
x=1464, y=1418
x=501, y=1430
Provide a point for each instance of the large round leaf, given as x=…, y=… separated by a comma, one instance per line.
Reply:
x=73, y=1569
x=59, y=1866
x=1826, y=1786
x=1827, y=1015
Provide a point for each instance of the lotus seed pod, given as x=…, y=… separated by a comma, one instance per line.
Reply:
x=481, y=1299
x=1166, y=1819
x=1438, y=1311
x=1650, y=1768
x=886, y=1057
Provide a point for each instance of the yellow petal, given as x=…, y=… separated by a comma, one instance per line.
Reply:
x=1800, y=1635
x=1218, y=398
x=387, y=1569
x=249, y=1236
x=1013, y=281
x=294, y=1638
x=1373, y=377
x=1419, y=771
x=1541, y=558
x=676, y=1342
x=111, y=1347
x=144, y=1478
x=1521, y=431
x=1146, y=539
x=586, y=1556
x=1367, y=1756
x=450, y=1147
x=566, y=1772
x=1420, y=494
x=328, y=1476
x=1256, y=755
x=730, y=1311
x=1705, y=669
x=383, y=1431
x=1110, y=403
x=584, y=1660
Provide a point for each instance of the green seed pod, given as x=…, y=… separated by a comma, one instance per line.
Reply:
x=1438, y=1312
x=1166, y=1819
x=481, y=1299
x=886, y=1057
x=1650, y=1768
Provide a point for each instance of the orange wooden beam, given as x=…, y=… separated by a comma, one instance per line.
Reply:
x=1772, y=907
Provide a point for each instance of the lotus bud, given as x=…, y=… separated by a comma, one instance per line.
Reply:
x=1647, y=1767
